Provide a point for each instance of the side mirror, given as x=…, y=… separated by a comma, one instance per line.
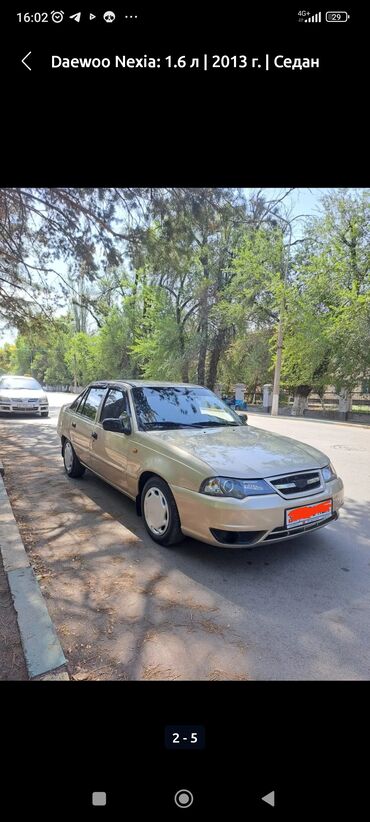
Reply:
x=122, y=425
x=243, y=417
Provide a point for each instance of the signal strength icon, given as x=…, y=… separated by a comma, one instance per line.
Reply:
x=315, y=18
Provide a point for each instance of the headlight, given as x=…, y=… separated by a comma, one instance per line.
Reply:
x=239, y=488
x=329, y=472
x=44, y=400
x=4, y=399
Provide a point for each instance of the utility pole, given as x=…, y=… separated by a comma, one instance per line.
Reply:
x=279, y=347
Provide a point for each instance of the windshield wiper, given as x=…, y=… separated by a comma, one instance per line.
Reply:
x=212, y=424
x=150, y=426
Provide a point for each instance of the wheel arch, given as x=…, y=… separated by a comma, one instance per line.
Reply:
x=144, y=477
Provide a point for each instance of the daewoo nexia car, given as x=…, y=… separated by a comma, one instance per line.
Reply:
x=22, y=394
x=194, y=468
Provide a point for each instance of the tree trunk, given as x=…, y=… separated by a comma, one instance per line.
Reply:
x=203, y=329
x=344, y=404
x=218, y=348
x=184, y=360
x=300, y=400
x=203, y=325
x=75, y=377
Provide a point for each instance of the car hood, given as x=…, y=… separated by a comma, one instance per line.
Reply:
x=22, y=393
x=242, y=451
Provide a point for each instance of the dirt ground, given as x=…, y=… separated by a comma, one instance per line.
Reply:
x=12, y=663
x=121, y=607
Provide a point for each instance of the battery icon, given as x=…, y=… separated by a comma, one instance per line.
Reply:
x=336, y=16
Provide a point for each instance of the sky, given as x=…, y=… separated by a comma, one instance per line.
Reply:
x=300, y=201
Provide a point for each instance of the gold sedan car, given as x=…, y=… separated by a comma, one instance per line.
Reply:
x=194, y=467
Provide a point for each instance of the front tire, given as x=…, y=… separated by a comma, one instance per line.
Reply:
x=72, y=464
x=160, y=514
x=44, y=413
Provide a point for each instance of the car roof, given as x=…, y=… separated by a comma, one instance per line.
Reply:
x=148, y=383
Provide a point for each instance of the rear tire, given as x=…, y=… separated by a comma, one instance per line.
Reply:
x=160, y=514
x=72, y=464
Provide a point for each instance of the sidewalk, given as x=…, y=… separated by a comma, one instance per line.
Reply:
x=352, y=424
x=30, y=641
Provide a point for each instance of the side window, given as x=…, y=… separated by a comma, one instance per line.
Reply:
x=91, y=403
x=78, y=401
x=115, y=403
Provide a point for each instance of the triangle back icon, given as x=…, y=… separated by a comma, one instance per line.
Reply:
x=269, y=798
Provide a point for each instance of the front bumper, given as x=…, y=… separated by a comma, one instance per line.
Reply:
x=29, y=408
x=250, y=521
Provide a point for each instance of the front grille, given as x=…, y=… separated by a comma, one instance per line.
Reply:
x=293, y=484
x=283, y=533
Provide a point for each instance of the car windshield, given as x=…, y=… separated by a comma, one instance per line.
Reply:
x=180, y=407
x=20, y=382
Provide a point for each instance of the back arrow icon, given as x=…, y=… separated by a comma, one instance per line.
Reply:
x=24, y=61
x=269, y=798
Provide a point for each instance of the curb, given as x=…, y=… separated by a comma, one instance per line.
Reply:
x=41, y=647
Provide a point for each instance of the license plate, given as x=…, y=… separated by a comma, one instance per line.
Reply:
x=309, y=513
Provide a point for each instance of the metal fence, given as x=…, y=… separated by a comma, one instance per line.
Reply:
x=329, y=402
x=63, y=388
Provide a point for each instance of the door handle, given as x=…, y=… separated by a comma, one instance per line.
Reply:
x=94, y=435
x=73, y=425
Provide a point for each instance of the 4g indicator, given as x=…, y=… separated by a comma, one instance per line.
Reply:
x=184, y=737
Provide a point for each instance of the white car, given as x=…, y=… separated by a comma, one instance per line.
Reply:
x=22, y=394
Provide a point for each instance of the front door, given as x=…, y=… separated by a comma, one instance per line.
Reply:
x=110, y=448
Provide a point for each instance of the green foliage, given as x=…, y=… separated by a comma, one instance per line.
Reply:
x=6, y=355
x=157, y=349
x=327, y=324
x=113, y=345
x=248, y=360
x=40, y=352
x=81, y=358
x=206, y=274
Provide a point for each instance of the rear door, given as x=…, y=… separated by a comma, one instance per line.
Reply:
x=110, y=448
x=82, y=423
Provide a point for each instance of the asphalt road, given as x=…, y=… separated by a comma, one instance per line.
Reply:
x=125, y=608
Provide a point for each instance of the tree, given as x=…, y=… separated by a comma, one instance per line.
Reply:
x=42, y=230
x=81, y=359
x=248, y=360
x=6, y=355
x=113, y=348
x=328, y=302
x=158, y=349
x=40, y=350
